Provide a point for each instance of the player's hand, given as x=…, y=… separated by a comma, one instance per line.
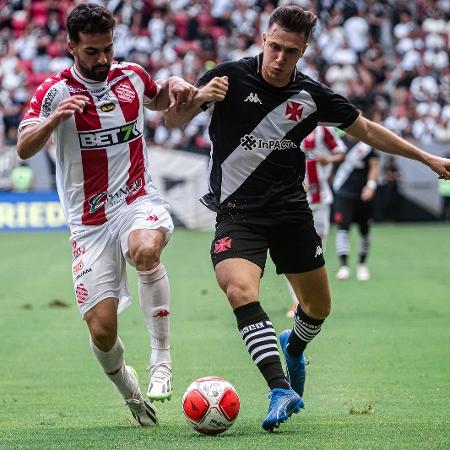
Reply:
x=322, y=159
x=68, y=107
x=215, y=90
x=181, y=93
x=367, y=193
x=441, y=166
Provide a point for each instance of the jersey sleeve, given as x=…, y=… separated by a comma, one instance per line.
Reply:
x=219, y=71
x=151, y=87
x=334, y=109
x=42, y=104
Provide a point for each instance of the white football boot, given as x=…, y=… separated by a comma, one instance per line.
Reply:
x=160, y=386
x=343, y=273
x=143, y=412
x=362, y=273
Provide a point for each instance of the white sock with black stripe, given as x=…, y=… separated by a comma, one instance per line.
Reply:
x=304, y=331
x=261, y=341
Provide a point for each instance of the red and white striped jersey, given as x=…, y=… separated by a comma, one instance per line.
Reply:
x=322, y=141
x=102, y=161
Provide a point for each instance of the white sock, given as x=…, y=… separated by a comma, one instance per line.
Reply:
x=154, y=294
x=113, y=362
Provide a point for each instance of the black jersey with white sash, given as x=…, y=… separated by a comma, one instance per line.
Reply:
x=256, y=161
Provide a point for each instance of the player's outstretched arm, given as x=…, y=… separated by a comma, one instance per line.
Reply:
x=174, y=93
x=214, y=91
x=382, y=139
x=33, y=137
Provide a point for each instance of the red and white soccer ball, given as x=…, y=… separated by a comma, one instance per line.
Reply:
x=211, y=405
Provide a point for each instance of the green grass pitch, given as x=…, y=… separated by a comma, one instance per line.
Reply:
x=379, y=375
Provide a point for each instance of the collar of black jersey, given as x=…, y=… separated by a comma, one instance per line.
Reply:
x=259, y=60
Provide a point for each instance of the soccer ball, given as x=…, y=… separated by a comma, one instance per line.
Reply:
x=210, y=405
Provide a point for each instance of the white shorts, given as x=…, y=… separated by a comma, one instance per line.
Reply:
x=321, y=216
x=99, y=254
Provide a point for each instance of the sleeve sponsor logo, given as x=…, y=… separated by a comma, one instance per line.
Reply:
x=48, y=100
x=108, y=137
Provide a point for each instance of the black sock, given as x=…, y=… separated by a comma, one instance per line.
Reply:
x=261, y=342
x=304, y=330
x=343, y=259
x=362, y=258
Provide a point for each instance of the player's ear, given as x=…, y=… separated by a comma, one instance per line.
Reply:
x=264, y=38
x=70, y=47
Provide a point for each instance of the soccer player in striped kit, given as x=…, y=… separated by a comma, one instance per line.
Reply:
x=263, y=109
x=94, y=110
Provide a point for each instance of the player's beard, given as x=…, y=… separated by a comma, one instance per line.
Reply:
x=95, y=73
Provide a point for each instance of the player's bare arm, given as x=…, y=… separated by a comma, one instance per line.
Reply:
x=174, y=92
x=333, y=159
x=33, y=137
x=381, y=138
x=214, y=91
x=368, y=192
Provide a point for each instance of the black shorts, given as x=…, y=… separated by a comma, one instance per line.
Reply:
x=290, y=238
x=352, y=210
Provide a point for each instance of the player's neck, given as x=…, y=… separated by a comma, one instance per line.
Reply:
x=78, y=74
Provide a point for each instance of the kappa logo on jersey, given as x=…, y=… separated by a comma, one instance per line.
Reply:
x=107, y=107
x=294, y=111
x=249, y=142
x=114, y=198
x=111, y=136
x=222, y=245
x=319, y=251
x=125, y=93
x=252, y=97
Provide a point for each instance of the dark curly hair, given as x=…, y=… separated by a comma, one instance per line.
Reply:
x=295, y=19
x=89, y=18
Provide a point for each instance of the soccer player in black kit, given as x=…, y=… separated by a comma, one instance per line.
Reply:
x=263, y=108
x=354, y=186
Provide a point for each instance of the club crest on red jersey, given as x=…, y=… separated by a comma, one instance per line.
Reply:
x=125, y=93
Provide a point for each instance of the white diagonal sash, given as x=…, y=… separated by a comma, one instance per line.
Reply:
x=241, y=163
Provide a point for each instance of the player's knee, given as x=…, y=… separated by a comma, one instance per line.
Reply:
x=104, y=335
x=239, y=293
x=146, y=256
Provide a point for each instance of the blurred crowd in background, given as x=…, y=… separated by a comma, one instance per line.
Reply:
x=388, y=57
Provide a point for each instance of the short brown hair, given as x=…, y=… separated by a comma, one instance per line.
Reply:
x=295, y=19
x=89, y=18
